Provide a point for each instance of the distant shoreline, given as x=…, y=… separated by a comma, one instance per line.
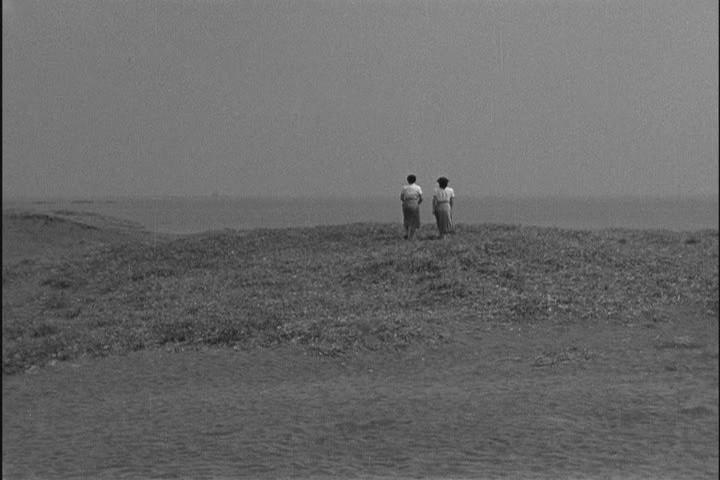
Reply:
x=515, y=197
x=199, y=214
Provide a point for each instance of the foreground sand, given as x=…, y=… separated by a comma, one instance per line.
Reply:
x=505, y=352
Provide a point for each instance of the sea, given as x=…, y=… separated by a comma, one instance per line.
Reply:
x=199, y=214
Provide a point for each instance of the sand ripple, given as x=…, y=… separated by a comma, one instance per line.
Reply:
x=220, y=414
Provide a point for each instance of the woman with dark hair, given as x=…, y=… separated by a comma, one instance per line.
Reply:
x=443, y=201
x=411, y=198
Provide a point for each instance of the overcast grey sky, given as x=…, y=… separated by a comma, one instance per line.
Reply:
x=343, y=97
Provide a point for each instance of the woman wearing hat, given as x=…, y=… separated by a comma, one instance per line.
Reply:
x=442, y=202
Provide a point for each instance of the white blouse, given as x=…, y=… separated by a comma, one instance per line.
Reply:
x=411, y=192
x=443, y=195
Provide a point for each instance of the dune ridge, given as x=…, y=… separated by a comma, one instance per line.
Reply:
x=80, y=285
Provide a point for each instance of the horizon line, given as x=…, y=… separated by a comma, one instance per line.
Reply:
x=94, y=198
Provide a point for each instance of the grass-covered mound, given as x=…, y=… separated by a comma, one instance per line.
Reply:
x=331, y=288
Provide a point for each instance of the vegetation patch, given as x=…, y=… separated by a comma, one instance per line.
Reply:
x=679, y=343
x=336, y=289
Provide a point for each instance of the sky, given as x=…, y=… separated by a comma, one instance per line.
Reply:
x=345, y=98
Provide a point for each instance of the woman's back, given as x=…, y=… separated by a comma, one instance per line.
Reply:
x=444, y=194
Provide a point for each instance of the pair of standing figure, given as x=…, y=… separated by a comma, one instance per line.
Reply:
x=443, y=201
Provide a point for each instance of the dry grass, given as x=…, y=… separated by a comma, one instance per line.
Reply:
x=79, y=289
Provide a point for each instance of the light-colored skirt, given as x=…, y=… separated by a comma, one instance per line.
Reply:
x=411, y=214
x=443, y=217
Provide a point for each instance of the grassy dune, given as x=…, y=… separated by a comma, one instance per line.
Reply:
x=76, y=285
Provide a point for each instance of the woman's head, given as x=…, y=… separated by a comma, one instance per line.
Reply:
x=443, y=182
x=411, y=179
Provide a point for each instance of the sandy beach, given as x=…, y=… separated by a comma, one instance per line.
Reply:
x=344, y=351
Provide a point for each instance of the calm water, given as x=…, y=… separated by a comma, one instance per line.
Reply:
x=190, y=215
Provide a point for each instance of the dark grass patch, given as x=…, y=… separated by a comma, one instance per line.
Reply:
x=151, y=272
x=57, y=282
x=445, y=290
x=43, y=329
x=697, y=412
x=75, y=213
x=530, y=308
x=72, y=312
x=45, y=220
x=564, y=355
x=679, y=344
x=64, y=280
x=9, y=275
x=57, y=302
